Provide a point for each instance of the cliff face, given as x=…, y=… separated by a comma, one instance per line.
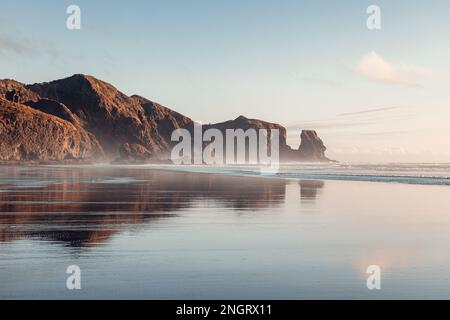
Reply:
x=311, y=148
x=82, y=117
x=244, y=123
x=55, y=108
x=15, y=91
x=113, y=117
x=162, y=121
x=28, y=134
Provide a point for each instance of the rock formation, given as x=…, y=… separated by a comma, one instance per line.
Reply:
x=55, y=108
x=113, y=117
x=82, y=117
x=17, y=92
x=311, y=147
x=28, y=134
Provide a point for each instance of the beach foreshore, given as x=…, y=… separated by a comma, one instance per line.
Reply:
x=157, y=234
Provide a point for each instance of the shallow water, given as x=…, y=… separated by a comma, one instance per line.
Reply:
x=409, y=173
x=139, y=232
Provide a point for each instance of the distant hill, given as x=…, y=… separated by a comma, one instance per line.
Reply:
x=83, y=118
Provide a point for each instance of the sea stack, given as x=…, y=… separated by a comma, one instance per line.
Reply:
x=311, y=146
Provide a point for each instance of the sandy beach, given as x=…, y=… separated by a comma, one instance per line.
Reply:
x=153, y=234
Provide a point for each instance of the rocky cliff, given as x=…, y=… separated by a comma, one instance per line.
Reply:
x=28, y=134
x=311, y=147
x=15, y=91
x=81, y=117
x=113, y=117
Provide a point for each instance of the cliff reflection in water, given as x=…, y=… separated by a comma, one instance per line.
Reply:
x=309, y=189
x=86, y=206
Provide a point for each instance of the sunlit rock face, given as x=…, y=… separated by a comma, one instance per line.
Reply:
x=81, y=117
x=28, y=135
x=113, y=117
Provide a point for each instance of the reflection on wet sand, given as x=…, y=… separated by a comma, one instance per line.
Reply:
x=310, y=188
x=140, y=233
x=86, y=206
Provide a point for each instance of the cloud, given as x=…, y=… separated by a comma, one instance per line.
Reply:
x=362, y=118
x=10, y=45
x=25, y=47
x=367, y=111
x=319, y=81
x=373, y=66
x=326, y=124
x=389, y=133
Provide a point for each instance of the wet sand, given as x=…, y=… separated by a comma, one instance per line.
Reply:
x=149, y=234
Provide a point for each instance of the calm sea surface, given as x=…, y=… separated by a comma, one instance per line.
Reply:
x=145, y=233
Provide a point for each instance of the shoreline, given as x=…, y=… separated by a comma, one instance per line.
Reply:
x=253, y=172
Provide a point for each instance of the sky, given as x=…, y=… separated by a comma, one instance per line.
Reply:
x=372, y=95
